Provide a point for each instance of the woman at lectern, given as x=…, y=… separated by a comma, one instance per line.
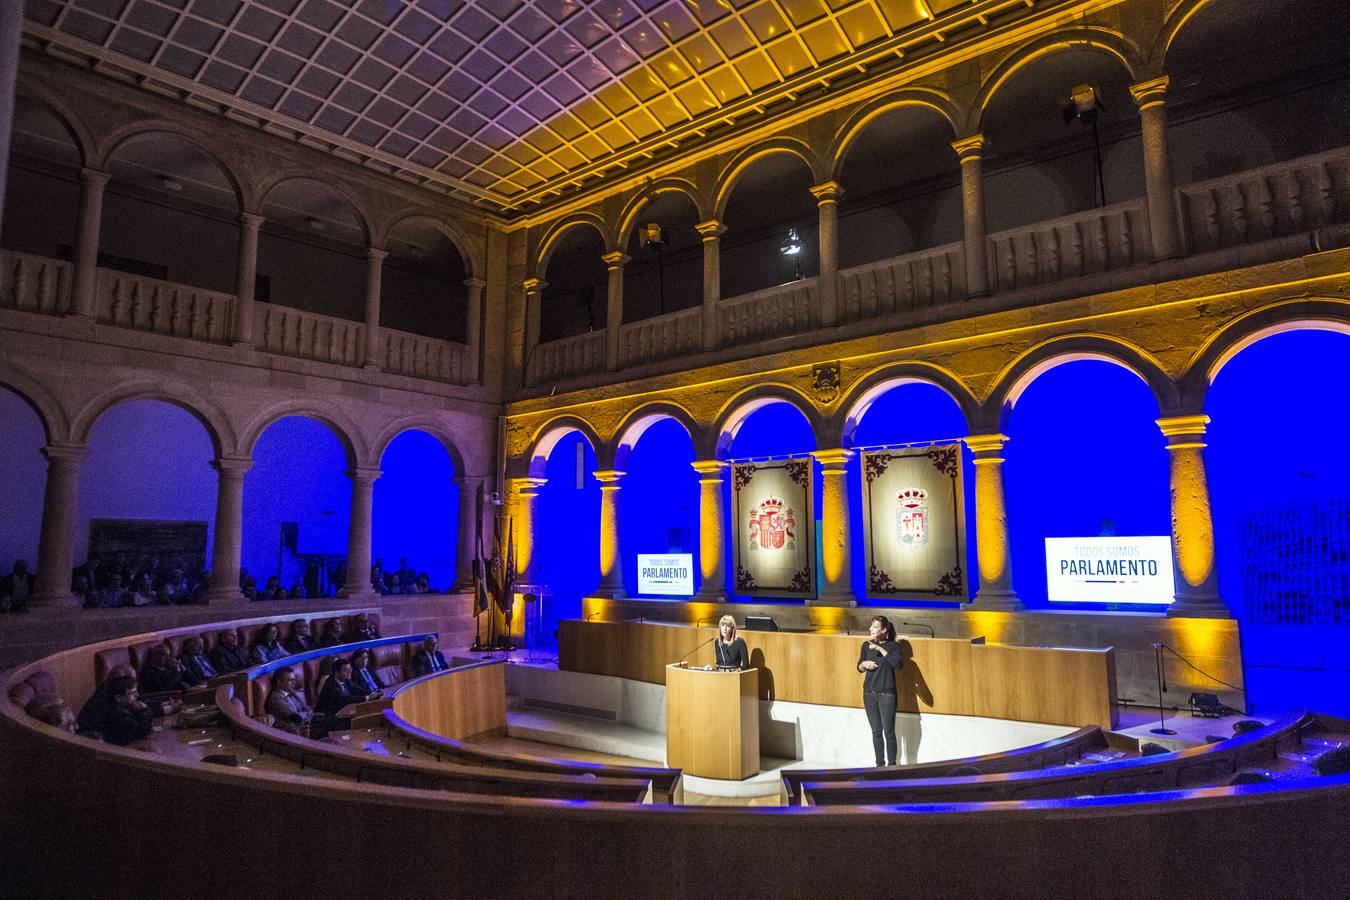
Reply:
x=878, y=660
x=731, y=652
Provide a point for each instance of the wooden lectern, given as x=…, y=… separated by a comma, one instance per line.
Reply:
x=712, y=722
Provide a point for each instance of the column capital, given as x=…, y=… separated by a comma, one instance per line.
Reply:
x=94, y=177
x=711, y=469
x=609, y=478
x=362, y=475
x=1150, y=93
x=710, y=230
x=834, y=461
x=232, y=465
x=1184, y=432
x=528, y=486
x=376, y=254
x=827, y=192
x=65, y=453
x=533, y=285
x=969, y=149
x=475, y=284
x=615, y=259
x=251, y=221
x=986, y=447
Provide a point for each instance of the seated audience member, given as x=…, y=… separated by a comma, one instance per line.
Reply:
x=125, y=718
x=16, y=588
x=405, y=576
x=338, y=690
x=250, y=589
x=270, y=589
x=423, y=584
x=363, y=630
x=175, y=588
x=428, y=659
x=90, y=571
x=1333, y=762
x=53, y=711
x=334, y=633
x=364, y=677
x=112, y=596
x=377, y=575
x=227, y=656
x=196, y=667
x=142, y=591
x=340, y=575
x=267, y=647
x=297, y=592
x=391, y=587
x=162, y=673
x=92, y=711
x=286, y=702
x=300, y=640
x=81, y=591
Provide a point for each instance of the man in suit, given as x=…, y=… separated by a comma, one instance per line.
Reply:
x=428, y=659
x=228, y=656
x=16, y=588
x=339, y=690
x=286, y=703
x=196, y=667
x=300, y=640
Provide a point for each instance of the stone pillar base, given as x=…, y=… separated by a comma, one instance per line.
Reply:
x=834, y=599
x=224, y=598
x=357, y=596
x=1002, y=601
x=610, y=593
x=708, y=597
x=1209, y=606
x=63, y=600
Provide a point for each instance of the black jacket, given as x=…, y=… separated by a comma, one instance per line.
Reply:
x=422, y=663
x=229, y=659
x=733, y=654
x=882, y=678
x=336, y=694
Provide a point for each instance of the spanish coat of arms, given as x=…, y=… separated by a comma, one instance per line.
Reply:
x=772, y=526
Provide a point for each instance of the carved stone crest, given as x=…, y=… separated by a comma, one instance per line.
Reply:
x=825, y=381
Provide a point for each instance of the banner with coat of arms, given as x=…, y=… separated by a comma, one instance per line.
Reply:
x=775, y=539
x=914, y=523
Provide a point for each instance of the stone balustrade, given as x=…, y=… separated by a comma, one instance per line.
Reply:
x=293, y=332
x=581, y=354
x=1108, y=239
x=34, y=283
x=162, y=307
x=903, y=283
x=770, y=313
x=423, y=357
x=674, y=334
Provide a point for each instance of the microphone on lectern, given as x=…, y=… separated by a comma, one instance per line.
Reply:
x=931, y=632
x=696, y=649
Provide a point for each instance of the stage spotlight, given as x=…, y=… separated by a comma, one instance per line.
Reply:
x=793, y=247
x=654, y=239
x=1083, y=105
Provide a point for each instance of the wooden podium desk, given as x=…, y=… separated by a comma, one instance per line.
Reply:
x=712, y=722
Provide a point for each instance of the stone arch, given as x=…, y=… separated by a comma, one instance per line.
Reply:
x=862, y=393
x=1176, y=20
x=1019, y=374
x=86, y=144
x=1323, y=314
x=128, y=133
x=634, y=424
x=1088, y=37
x=717, y=440
x=212, y=418
x=928, y=98
x=264, y=189
x=451, y=232
x=635, y=206
x=55, y=422
x=547, y=436
x=419, y=423
x=548, y=243
x=726, y=181
x=344, y=429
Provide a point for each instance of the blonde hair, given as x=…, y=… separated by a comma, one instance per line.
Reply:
x=727, y=620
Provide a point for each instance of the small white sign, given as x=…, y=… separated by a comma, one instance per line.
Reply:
x=1109, y=570
x=670, y=574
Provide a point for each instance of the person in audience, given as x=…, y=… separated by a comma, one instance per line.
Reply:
x=377, y=575
x=142, y=592
x=334, y=633
x=90, y=571
x=16, y=588
x=162, y=672
x=390, y=587
x=91, y=713
x=297, y=592
x=311, y=581
x=81, y=591
x=250, y=589
x=227, y=656
x=53, y=711
x=405, y=576
x=125, y=718
x=174, y=588
x=428, y=659
x=878, y=659
x=196, y=667
x=113, y=596
x=286, y=702
x=1333, y=762
x=364, y=677
x=423, y=584
x=270, y=589
x=363, y=629
x=267, y=647
x=300, y=640
x=340, y=576
x=338, y=690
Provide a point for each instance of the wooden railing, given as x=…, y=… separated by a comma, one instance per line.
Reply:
x=1286, y=198
x=423, y=357
x=770, y=313
x=1100, y=240
x=293, y=332
x=580, y=354
x=678, y=333
x=162, y=307
x=34, y=283
x=903, y=283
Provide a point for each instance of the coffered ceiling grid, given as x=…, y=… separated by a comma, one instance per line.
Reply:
x=498, y=100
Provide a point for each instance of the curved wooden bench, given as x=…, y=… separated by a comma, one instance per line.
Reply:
x=1195, y=766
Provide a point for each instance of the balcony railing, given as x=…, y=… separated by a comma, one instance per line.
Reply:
x=581, y=354
x=147, y=304
x=423, y=357
x=34, y=283
x=901, y=284
x=678, y=333
x=770, y=313
x=1286, y=198
x=1100, y=240
x=293, y=332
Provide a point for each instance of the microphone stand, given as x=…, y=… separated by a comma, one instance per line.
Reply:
x=1162, y=686
x=931, y=632
x=682, y=659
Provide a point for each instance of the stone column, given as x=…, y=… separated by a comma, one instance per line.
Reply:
x=611, y=554
x=836, y=562
x=1150, y=96
x=1197, y=579
x=827, y=203
x=613, y=307
x=969, y=150
x=374, y=343
x=991, y=526
x=467, y=548
x=249, y=223
x=472, y=369
x=229, y=535
x=534, y=290
x=11, y=27
x=711, y=231
x=92, y=183
x=712, y=561
x=54, y=561
x=525, y=509
x=358, y=534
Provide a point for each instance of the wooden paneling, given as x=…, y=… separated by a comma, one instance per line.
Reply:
x=712, y=722
x=958, y=676
x=459, y=703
